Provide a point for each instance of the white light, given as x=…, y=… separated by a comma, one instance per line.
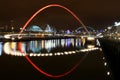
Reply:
x=58, y=53
x=109, y=28
x=31, y=54
x=90, y=49
x=108, y=73
x=20, y=28
x=117, y=24
x=46, y=54
x=38, y=55
x=83, y=50
x=90, y=46
x=73, y=52
x=13, y=38
x=19, y=37
x=34, y=54
x=90, y=38
x=103, y=58
x=100, y=49
x=21, y=54
x=105, y=63
x=99, y=34
x=105, y=29
x=42, y=55
x=62, y=53
x=50, y=54
x=6, y=48
x=24, y=54
x=55, y=54
x=70, y=52
x=66, y=53
x=7, y=36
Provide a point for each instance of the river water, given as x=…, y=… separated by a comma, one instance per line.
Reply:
x=53, y=56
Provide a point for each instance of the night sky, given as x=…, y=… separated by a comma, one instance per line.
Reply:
x=94, y=13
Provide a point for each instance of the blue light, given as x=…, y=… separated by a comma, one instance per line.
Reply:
x=0, y=48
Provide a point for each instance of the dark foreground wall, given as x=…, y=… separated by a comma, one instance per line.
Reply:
x=111, y=49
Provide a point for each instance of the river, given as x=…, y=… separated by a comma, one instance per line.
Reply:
x=54, y=57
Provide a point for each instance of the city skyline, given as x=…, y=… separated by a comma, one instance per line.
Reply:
x=93, y=13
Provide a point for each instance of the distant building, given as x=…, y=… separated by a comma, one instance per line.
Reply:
x=35, y=28
x=82, y=30
x=48, y=28
x=5, y=28
x=118, y=29
x=117, y=24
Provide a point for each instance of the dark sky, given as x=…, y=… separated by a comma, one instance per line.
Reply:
x=95, y=13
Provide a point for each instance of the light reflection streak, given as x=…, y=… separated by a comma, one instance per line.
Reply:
x=43, y=43
x=72, y=41
x=8, y=50
x=13, y=46
x=83, y=41
x=0, y=48
x=21, y=46
x=36, y=47
x=62, y=42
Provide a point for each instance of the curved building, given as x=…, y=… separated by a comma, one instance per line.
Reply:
x=34, y=28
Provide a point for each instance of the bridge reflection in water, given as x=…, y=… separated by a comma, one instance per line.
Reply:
x=59, y=56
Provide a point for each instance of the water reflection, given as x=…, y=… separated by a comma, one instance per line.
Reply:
x=45, y=46
x=21, y=46
x=0, y=48
x=52, y=47
x=34, y=46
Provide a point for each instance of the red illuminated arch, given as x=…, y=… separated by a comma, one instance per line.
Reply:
x=29, y=60
x=53, y=5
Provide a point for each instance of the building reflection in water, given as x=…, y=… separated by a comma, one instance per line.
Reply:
x=0, y=48
x=45, y=46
